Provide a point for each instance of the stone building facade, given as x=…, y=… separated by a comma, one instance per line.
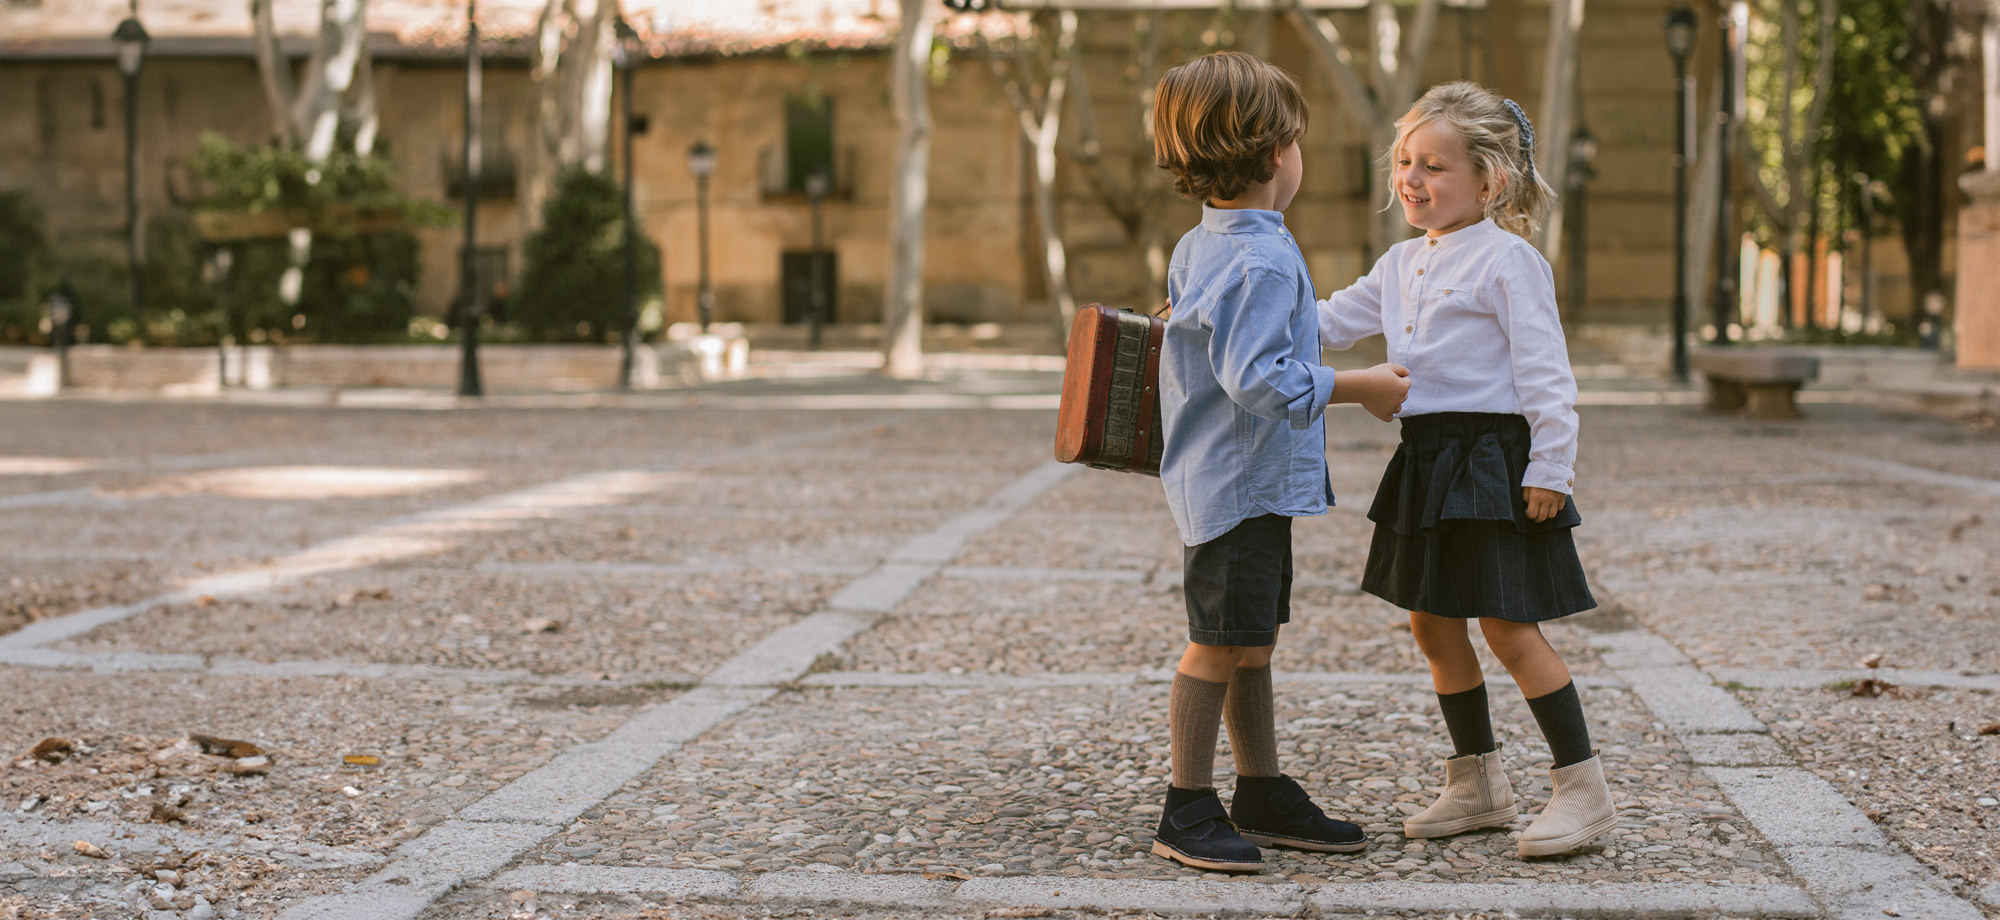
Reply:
x=757, y=103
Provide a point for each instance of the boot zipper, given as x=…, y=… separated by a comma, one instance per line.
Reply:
x=1485, y=787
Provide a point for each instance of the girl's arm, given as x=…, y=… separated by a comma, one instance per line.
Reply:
x=1525, y=303
x=1355, y=313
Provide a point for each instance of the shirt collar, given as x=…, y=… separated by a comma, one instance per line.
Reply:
x=1465, y=236
x=1234, y=220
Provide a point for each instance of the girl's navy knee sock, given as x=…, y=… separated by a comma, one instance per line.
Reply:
x=1467, y=719
x=1560, y=714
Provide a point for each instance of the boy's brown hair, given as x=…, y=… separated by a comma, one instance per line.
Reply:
x=1218, y=118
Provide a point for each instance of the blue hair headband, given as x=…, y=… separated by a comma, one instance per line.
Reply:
x=1527, y=133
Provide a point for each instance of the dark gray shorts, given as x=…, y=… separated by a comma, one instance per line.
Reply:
x=1239, y=585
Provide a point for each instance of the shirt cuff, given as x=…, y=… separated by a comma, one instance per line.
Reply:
x=1308, y=408
x=1542, y=474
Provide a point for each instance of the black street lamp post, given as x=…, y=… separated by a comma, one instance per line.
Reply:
x=1734, y=24
x=131, y=39
x=1582, y=169
x=701, y=162
x=816, y=188
x=630, y=48
x=1680, y=42
x=62, y=323
x=472, y=298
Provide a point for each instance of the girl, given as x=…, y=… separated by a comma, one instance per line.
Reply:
x=1473, y=518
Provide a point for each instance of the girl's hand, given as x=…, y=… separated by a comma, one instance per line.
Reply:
x=1542, y=503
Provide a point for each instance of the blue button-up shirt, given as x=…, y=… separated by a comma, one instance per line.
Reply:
x=1243, y=390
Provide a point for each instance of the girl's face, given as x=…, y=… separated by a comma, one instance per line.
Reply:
x=1435, y=179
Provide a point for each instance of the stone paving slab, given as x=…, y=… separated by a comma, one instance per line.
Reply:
x=664, y=628
x=1065, y=781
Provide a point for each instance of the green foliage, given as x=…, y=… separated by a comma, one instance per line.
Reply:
x=22, y=252
x=255, y=180
x=1875, y=125
x=573, y=279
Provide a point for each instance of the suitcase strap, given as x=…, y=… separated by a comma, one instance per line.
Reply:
x=1127, y=404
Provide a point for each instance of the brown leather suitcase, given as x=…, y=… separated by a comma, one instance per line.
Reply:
x=1109, y=417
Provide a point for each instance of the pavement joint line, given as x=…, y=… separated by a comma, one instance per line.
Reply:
x=910, y=891
x=1051, y=679
x=522, y=813
x=413, y=535
x=1974, y=484
x=1849, y=867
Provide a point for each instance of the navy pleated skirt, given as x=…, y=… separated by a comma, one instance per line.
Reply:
x=1452, y=534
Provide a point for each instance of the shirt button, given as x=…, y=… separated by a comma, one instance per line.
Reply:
x=1434, y=242
x=1409, y=328
x=1420, y=271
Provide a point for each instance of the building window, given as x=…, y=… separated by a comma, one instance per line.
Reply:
x=808, y=138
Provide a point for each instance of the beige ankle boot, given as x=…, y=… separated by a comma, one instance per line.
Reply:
x=1476, y=794
x=1578, y=812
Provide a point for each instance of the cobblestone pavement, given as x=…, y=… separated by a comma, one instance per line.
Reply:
x=745, y=657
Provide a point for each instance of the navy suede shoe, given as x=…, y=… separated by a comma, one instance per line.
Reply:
x=1195, y=831
x=1275, y=811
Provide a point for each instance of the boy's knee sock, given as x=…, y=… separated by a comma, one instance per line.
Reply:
x=1468, y=720
x=1194, y=715
x=1252, y=735
x=1560, y=714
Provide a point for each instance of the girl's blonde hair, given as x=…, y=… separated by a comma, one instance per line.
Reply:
x=1499, y=140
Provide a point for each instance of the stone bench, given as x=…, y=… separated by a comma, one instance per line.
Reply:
x=1763, y=381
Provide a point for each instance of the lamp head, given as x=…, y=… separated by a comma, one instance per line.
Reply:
x=1583, y=147
x=1680, y=31
x=630, y=48
x=131, y=38
x=701, y=159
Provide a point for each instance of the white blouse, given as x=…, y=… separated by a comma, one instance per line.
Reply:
x=1472, y=314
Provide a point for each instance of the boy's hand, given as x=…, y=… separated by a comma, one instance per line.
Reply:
x=1379, y=389
x=1542, y=503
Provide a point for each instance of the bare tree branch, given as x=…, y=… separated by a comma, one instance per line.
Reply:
x=274, y=68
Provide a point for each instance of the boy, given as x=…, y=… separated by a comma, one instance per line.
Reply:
x=1243, y=397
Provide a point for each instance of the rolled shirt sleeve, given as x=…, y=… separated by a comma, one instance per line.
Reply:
x=1525, y=302
x=1251, y=348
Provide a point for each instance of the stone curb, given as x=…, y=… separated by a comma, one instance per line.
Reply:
x=1199, y=897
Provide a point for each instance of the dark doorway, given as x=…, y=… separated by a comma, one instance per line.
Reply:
x=798, y=281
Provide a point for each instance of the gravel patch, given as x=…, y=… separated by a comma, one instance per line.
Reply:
x=961, y=625
x=1912, y=760
x=437, y=748
x=689, y=538
x=1926, y=625
x=1067, y=781
x=674, y=627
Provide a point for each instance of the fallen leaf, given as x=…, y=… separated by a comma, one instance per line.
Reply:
x=522, y=896
x=206, y=600
x=52, y=750
x=1871, y=687
x=1958, y=530
x=248, y=766
x=166, y=814
x=225, y=747
x=542, y=625
x=955, y=876
x=1990, y=728
x=89, y=849
x=362, y=760
x=1872, y=661
x=1876, y=593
